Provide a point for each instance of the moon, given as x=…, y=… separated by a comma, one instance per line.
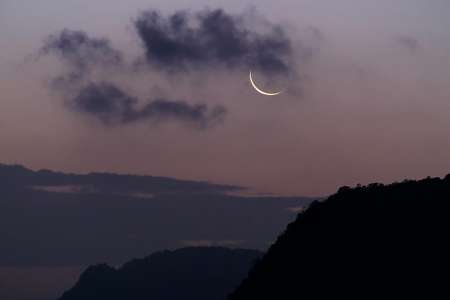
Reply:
x=260, y=90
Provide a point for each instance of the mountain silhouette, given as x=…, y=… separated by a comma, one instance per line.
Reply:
x=372, y=242
x=54, y=224
x=188, y=273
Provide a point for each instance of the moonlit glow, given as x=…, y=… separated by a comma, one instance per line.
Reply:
x=259, y=90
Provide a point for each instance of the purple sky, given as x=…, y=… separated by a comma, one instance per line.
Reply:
x=374, y=102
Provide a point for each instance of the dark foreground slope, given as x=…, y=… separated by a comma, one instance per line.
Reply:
x=368, y=242
x=189, y=273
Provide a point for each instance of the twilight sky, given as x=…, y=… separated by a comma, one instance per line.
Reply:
x=367, y=94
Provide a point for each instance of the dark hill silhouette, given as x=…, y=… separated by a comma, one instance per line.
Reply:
x=373, y=242
x=54, y=223
x=188, y=273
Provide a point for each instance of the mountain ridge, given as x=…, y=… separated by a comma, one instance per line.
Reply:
x=186, y=273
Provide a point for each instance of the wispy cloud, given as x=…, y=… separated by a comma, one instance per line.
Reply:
x=212, y=243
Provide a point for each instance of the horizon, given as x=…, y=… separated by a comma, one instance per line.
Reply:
x=230, y=190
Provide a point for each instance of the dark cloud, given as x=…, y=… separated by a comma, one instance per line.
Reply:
x=111, y=105
x=107, y=102
x=409, y=42
x=199, y=114
x=211, y=38
x=179, y=42
x=80, y=51
x=81, y=54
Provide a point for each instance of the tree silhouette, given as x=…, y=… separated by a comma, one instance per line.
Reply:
x=366, y=242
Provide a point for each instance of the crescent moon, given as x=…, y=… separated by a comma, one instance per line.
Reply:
x=260, y=90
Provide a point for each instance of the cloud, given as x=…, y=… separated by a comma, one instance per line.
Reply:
x=106, y=101
x=211, y=38
x=66, y=189
x=297, y=209
x=198, y=114
x=80, y=51
x=409, y=42
x=179, y=42
x=212, y=243
x=111, y=105
x=81, y=54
